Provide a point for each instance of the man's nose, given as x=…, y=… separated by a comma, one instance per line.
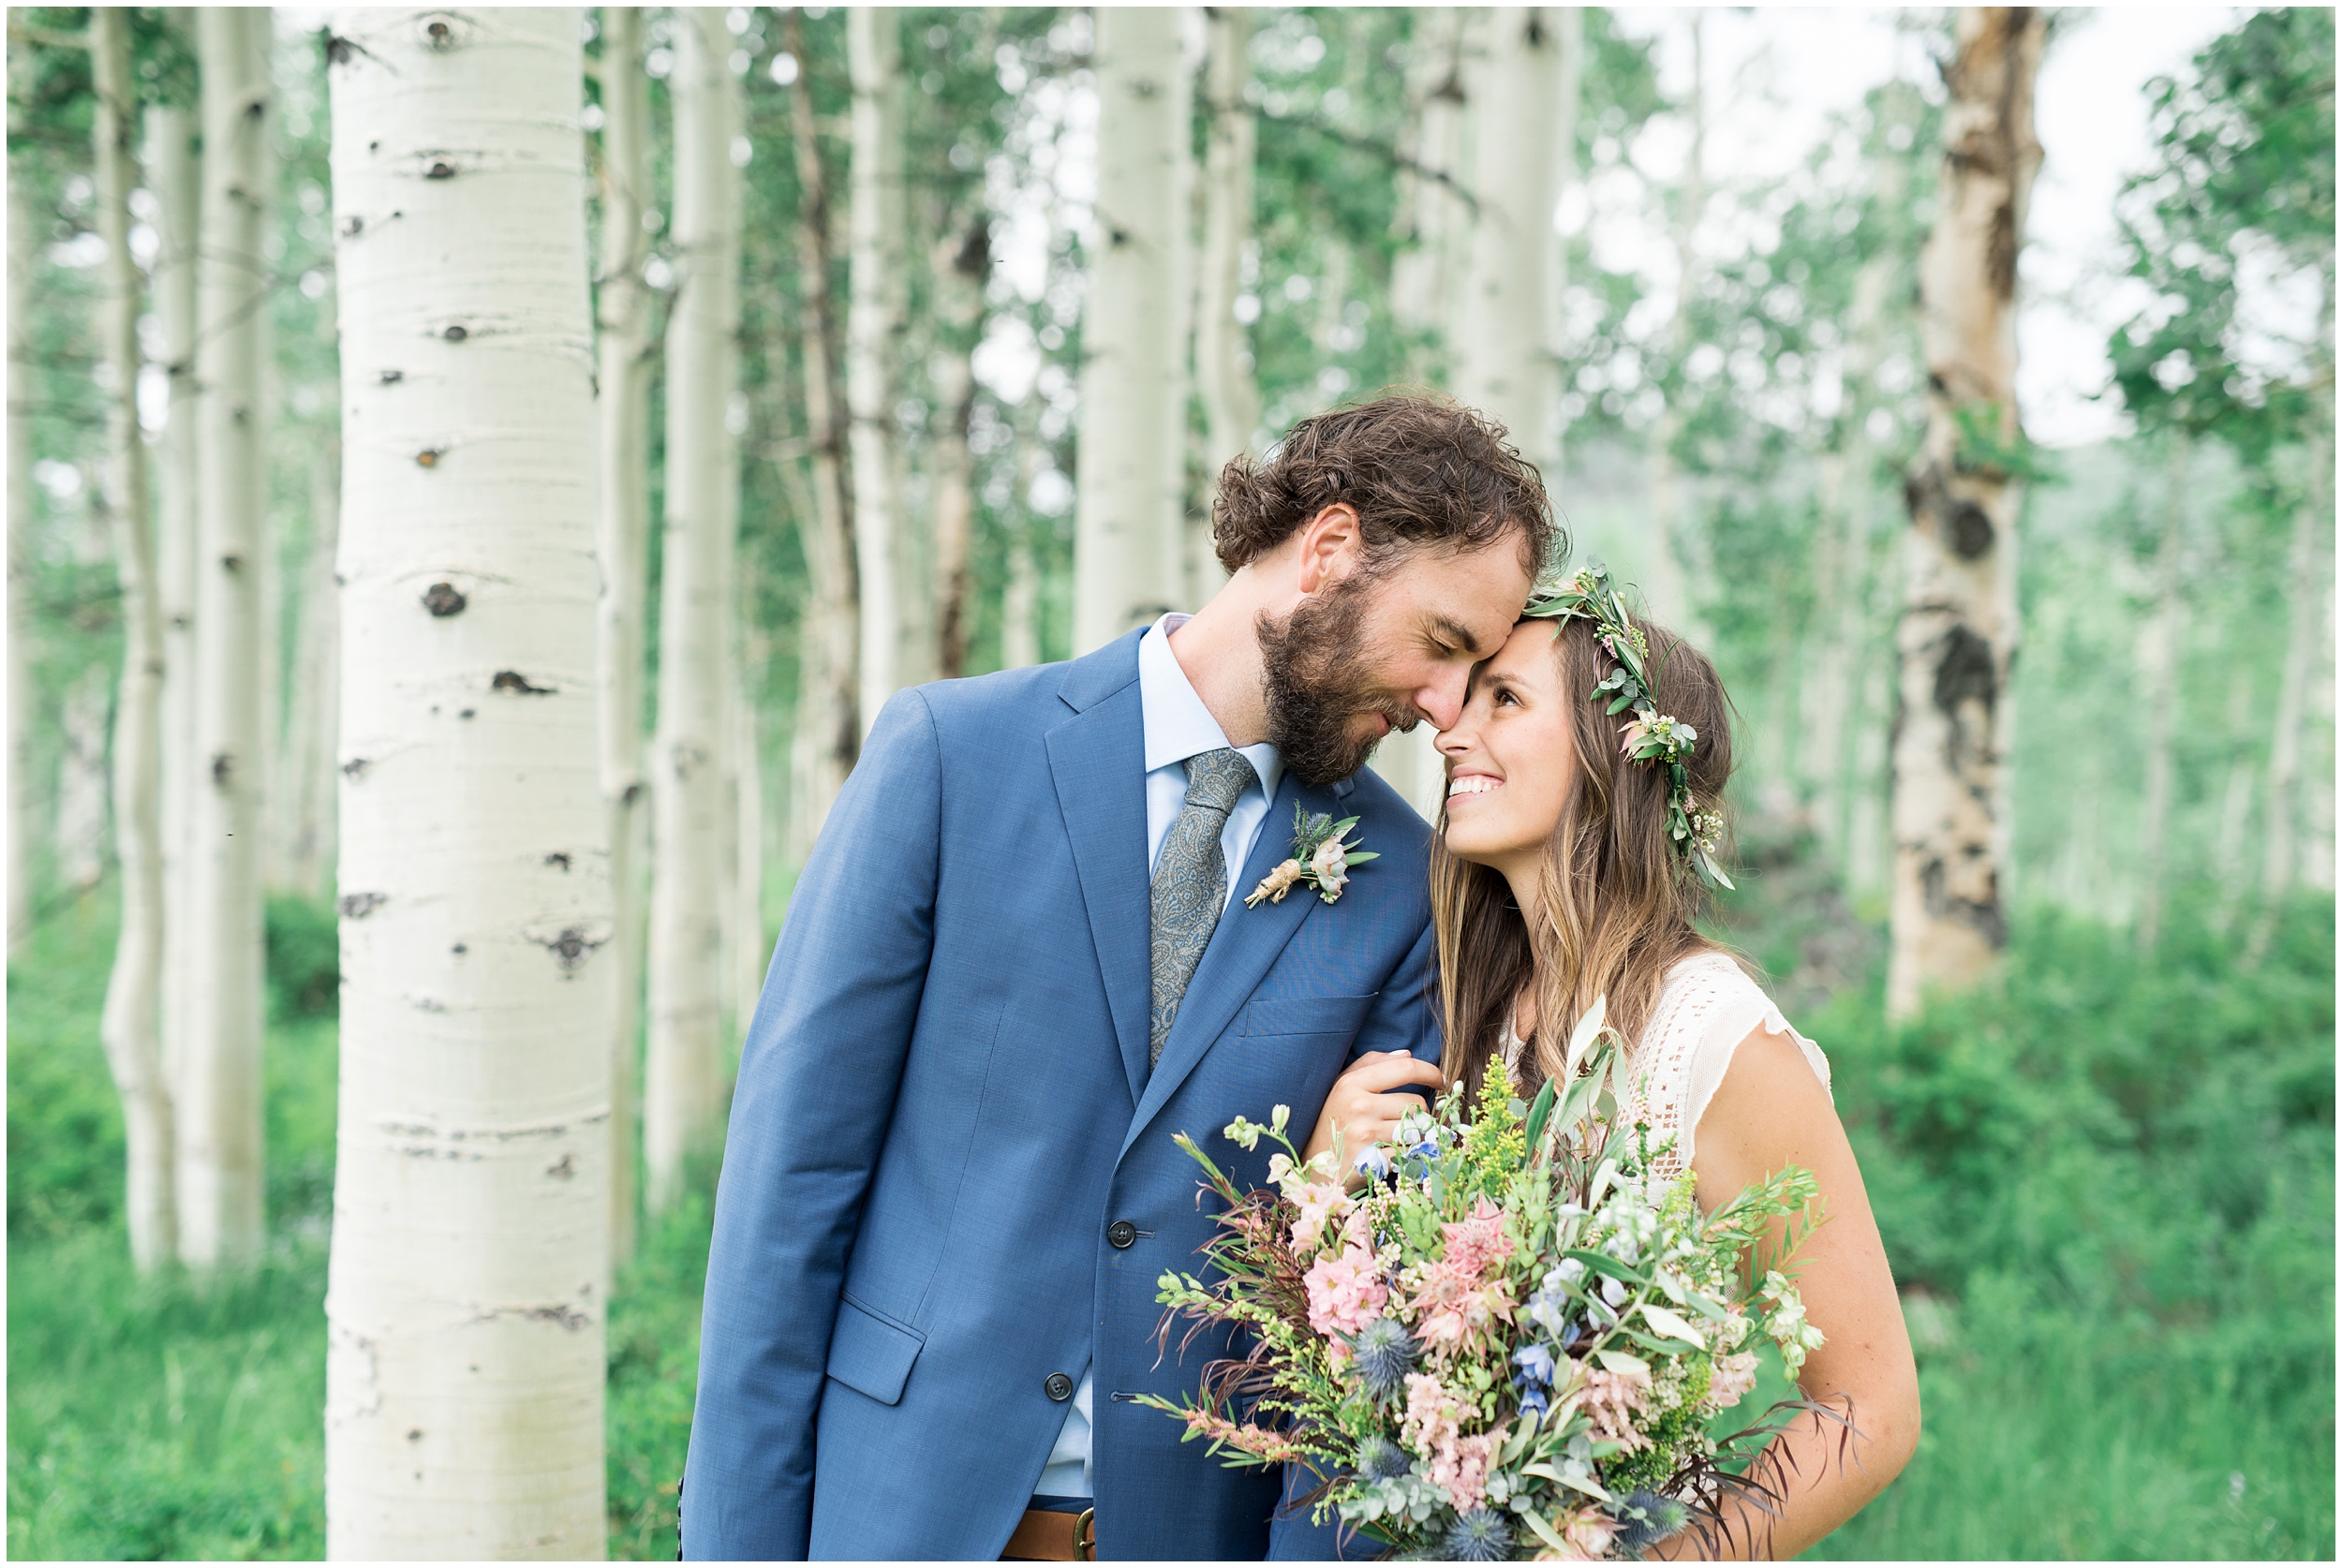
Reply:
x=1442, y=703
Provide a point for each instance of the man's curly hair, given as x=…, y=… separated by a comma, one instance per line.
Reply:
x=1420, y=469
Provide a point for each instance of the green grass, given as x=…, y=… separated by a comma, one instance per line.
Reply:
x=2106, y=1184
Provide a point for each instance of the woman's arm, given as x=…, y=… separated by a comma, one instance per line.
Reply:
x=1772, y=1111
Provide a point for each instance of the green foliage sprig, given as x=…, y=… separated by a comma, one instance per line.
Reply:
x=1650, y=736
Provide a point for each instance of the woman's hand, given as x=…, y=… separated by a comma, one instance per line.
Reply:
x=1368, y=1099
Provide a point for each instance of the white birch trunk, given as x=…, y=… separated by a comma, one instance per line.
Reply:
x=465, y=1365
x=1128, y=536
x=693, y=812
x=220, y=1157
x=82, y=785
x=828, y=733
x=1669, y=590
x=2158, y=691
x=1959, y=628
x=133, y=993
x=1020, y=597
x=172, y=175
x=623, y=545
x=962, y=262
x=750, y=954
x=19, y=637
x=305, y=764
x=1505, y=364
x=1224, y=366
x=1432, y=220
x=2281, y=830
x=873, y=341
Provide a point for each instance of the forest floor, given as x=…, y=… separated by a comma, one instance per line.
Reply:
x=2107, y=1184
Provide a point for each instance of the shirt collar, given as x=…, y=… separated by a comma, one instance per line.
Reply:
x=1178, y=725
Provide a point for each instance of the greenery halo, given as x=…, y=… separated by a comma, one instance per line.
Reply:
x=1650, y=735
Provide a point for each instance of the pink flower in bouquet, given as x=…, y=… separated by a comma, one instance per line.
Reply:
x=1460, y=1465
x=1614, y=1401
x=1478, y=1240
x=1589, y=1534
x=1453, y=1300
x=1346, y=1293
x=1319, y=1201
x=1734, y=1376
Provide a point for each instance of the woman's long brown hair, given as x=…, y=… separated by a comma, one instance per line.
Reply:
x=1617, y=900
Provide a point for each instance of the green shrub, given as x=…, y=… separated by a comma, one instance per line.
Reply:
x=304, y=958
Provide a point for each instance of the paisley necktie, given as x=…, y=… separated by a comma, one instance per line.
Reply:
x=1191, y=883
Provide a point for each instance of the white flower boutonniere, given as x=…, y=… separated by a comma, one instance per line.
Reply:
x=1321, y=860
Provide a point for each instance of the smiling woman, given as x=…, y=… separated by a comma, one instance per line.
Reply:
x=1585, y=778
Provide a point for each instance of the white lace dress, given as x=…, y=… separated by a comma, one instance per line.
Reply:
x=1707, y=1006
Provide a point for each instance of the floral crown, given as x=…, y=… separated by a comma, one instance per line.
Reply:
x=1651, y=735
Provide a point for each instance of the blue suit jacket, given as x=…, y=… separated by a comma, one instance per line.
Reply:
x=944, y=1102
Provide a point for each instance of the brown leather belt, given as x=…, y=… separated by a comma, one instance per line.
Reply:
x=1044, y=1537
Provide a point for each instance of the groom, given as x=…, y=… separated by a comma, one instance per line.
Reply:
x=1019, y=960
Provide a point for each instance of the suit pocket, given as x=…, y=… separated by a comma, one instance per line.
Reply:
x=869, y=1355
x=1340, y=1015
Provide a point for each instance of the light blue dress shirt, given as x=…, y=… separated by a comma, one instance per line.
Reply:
x=1177, y=726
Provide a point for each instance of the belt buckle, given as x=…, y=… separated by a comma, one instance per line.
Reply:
x=1086, y=1536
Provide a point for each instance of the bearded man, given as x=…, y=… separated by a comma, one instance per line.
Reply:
x=1020, y=960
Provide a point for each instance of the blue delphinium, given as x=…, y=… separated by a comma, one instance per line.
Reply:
x=1534, y=1379
x=1648, y=1519
x=1386, y=1354
x=1482, y=1535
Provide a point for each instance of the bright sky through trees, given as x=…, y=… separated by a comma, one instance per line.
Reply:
x=1776, y=76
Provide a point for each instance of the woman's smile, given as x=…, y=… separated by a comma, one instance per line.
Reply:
x=1465, y=785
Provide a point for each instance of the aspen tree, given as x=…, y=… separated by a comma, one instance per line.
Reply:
x=173, y=174
x=1432, y=216
x=19, y=638
x=218, y=1088
x=828, y=733
x=873, y=339
x=1524, y=112
x=1129, y=543
x=694, y=809
x=622, y=545
x=304, y=765
x=1020, y=597
x=1222, y=368
x=2159, y=649
x=1958, y=626
x=133, y=1052
x=465, y=1365
x=962, y=261
x=1669, y=590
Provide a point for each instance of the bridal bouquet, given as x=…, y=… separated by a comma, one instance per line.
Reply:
x=1511, y=1341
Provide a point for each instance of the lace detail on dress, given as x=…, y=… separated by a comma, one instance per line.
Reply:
x=1707, y=1006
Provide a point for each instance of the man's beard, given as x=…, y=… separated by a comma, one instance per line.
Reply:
x=1316, y=677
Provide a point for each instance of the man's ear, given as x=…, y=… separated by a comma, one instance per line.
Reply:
x=1330, y=546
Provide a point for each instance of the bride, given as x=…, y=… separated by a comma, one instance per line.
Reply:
x=1557, y=881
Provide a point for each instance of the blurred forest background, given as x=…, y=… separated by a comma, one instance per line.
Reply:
x=2105, y=1174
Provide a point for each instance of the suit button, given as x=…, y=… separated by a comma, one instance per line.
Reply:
x=1058, y=1387
x=1121, y=1233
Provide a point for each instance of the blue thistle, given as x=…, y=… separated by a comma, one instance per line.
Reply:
x=1483, y=1536
x=1381, y=1459
x=1648, y=1519
x=1386, y=1354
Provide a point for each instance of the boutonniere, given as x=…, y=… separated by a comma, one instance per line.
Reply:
x=1321, y=860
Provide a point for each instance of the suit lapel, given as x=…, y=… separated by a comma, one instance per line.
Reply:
x=1098, y=761
x=1244, y=944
